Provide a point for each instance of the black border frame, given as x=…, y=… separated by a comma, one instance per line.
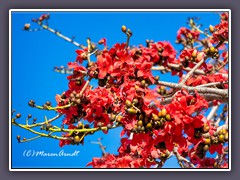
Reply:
x=120, y=169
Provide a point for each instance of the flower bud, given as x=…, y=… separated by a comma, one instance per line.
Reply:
x=194, y=53
x=211, y=28
x=27, y=26
x=206, y=128
x=163, y=112
x=207, y=141
x=140, y=123
x=221, y=138
x=168, y=117
x=18, y=115
x=212, y=50
x=149, y=126
x=132, y=111
x=76, y=139
x=124, y=28
x=155, y=117
x=128, y=103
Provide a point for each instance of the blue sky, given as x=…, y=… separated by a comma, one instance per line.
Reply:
x=34, y=54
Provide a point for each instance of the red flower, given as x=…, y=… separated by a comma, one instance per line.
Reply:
x=149, y=54
x=105, y=65
x=187, y=33
x=221, y=30
x=216, y=148
x=81, y=55
x=144, y=70
x=151, y=96
x=103, y=41
x=205, y=79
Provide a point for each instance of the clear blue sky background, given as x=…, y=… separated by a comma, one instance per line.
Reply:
x=34, y=54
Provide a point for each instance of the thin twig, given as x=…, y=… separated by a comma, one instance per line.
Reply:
x=192, y=71
x=61, y=35
x=177, y=67
x=216, y=124
x=85, y=86
x=101, y=146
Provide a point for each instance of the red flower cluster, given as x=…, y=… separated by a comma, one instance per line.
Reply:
x=221, y=30
x=187, y=33
x=125, y=99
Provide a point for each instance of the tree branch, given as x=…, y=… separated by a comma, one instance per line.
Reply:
x=182, y=159
x=208, y=97
x=223, y=93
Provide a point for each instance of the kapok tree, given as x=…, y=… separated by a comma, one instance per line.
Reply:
x=159, y=119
